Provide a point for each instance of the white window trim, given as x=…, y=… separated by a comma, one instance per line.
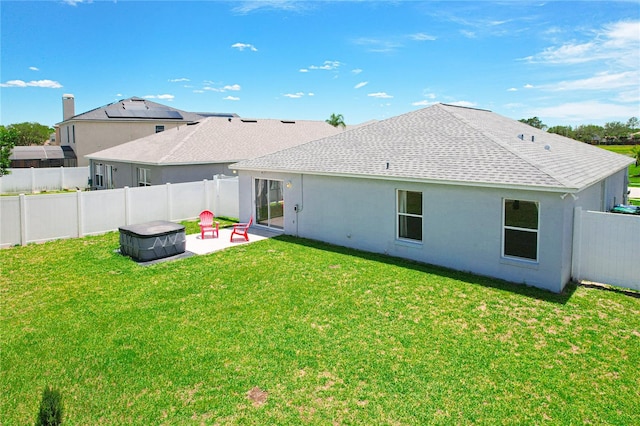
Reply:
x=398, y=214
x=99, y=175
x=515, y=228
x=144, y=176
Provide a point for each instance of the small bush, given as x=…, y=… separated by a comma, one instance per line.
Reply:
x=50, y=413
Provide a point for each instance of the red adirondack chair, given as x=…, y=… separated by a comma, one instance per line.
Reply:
x=208, y=225
x=241, y=229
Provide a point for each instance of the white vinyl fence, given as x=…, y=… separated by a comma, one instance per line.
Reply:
x=44, y=179
x=36, y=218
x=606, y=248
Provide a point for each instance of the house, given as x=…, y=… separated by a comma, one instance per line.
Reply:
x=198, y=150
x=117, y=123
x=458, y=187
x=42, y=156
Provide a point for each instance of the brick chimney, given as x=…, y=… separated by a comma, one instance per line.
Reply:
x=68, y=107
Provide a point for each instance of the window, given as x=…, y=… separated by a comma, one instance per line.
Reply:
x=410, y=215
x=159, y=129
x=73, y=129
x=99, y=175
x=520, y=236
x=144, y=177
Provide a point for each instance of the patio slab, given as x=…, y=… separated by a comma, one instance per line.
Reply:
x=197, y=245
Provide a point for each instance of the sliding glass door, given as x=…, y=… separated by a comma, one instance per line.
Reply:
x=269, y=202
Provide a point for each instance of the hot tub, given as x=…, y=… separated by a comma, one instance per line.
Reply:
x=152, y=240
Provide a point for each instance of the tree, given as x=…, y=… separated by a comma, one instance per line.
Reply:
x=633, y=123
x=31, y=133
x=636, y=154
x=562, y=130
x=8, y=138
x=336, y=120
x=534, y=122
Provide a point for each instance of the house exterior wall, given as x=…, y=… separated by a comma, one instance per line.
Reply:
x=87, y=137
x=126, y=174
x=462, y=226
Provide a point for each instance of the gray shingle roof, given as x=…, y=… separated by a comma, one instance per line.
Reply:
x=450, y=144
x=217, y=140
x=135, y=108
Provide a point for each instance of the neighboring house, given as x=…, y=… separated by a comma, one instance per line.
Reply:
x=458, y=187
x=117, y=123
x=42, y=156
x=199, y=150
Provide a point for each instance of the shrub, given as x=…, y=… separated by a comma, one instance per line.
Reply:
x=50, y=413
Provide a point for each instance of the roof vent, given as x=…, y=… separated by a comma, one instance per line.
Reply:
x=533, y=138
x=248, y=121
x=521, y=136
x=287, y=122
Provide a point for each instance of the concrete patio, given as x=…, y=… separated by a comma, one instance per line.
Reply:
x=197, y=245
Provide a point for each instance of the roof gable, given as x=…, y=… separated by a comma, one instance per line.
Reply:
x=451, y=144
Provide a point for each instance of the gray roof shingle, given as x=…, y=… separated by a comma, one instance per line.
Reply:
x=217, y=140
x=450, y=144
x=135, y=108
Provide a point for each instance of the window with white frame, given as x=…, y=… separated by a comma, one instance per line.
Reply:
x=520, y=229
x=409, y=215
x=99, y=182
x=144, y=177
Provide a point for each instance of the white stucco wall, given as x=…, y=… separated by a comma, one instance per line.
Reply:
x=462, y=226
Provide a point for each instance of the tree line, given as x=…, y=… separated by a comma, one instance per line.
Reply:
x=612, y=133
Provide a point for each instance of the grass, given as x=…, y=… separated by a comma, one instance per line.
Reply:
x=634, y=171
x=291, y=331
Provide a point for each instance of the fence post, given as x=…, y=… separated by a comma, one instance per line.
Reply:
x=126, y=205
x=169, y=202
x=80, y=215
x=23, y=219
x=207, y=197
x=577, y=242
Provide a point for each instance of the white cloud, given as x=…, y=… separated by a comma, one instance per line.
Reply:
x=422, y=37
x=34, y=68
x=243, y=46
x=164, y=97
x=422, y=103
x=304, y=70
x=327, y=66
x=311, y=94
x=198, y=91
x=75, y=2
x=378, y=45
x=246, y=7
x=528, y=86
x=468, y=34
x=356, y=71
x=601, y=81
x=512, y=89
x=294, y=95
x=360, y=85
x=466, y=104
x=381, y=95
x=231, y=98
x=178, y=80
x=228, y=87
x=49, y=84
x=617, y=44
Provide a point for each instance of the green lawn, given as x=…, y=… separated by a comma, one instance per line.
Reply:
x=290, y=331
x=634, y=171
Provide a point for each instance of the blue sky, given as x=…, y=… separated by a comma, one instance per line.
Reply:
x=566, y=62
